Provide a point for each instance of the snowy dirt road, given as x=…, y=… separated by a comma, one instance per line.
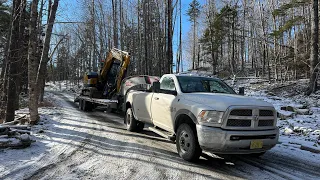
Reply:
x=96, y=145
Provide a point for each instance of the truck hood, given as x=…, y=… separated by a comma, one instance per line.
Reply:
x=221, y=102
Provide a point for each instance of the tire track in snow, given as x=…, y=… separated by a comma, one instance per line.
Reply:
x=275, y=167
x=281, y=168
x=62, y=160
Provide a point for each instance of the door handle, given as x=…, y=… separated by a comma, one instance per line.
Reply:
x=156, y=98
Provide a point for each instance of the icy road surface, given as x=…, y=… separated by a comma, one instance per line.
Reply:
x=96, y=145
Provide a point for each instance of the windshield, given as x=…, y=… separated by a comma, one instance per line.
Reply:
x=189, y=84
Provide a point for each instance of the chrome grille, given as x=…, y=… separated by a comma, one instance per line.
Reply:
x=263, y=123
x=239, y=123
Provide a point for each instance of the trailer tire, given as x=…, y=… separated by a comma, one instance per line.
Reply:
x=131, y=122
x=89, y=106
x=84, y=105
x=81, y=104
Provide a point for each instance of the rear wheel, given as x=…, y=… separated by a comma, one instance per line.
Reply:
x=131, y=122
x=140, y=126
x=187, y=143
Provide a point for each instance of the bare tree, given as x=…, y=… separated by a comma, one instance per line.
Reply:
x=33, y=63
x=14, y=58
x=314, y=47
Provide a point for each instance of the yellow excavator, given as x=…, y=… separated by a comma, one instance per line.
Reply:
x=107, y=83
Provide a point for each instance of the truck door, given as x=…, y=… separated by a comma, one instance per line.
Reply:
x=142, y=106
x=162, y=104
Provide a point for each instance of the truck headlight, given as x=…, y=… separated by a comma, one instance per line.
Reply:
x=210, y=117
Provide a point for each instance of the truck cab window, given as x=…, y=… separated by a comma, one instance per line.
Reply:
x=167, y=84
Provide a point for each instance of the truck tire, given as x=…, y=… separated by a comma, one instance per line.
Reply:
x=187, y=143
x=84, y=105
x=80, y=104
x=131, y=122
x=140, y=126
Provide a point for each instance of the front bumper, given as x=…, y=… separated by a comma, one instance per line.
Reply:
x=217, y=140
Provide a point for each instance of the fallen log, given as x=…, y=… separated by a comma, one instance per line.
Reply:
x=310, y=149
x=4, y=136
x=283, y=86
x=16, y=121
x=11, y=123
x=24, y=127
x=4, y=130
x=21, y=131
x=16, y=142
x=18, y=145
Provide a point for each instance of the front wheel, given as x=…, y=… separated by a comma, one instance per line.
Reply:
x=187, y=143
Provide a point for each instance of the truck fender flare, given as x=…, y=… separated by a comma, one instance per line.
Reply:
x=184, y=112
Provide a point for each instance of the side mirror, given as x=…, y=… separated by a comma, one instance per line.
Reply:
x=156, y=87
x=241, y=90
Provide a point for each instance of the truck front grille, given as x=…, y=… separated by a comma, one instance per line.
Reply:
x=239, y=123
x=250, y=119
x=241, y=112
x=263, y=123
x=265, y=113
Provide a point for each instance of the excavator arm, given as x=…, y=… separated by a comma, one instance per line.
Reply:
x=108, y=81
x=114, y=70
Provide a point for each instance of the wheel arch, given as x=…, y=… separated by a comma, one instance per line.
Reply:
x=184, y=116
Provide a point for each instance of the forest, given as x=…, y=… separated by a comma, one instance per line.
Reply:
x=272, y=39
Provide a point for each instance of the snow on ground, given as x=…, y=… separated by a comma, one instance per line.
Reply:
x=13, y=159
x=64, y=86
x=295, y=130
x=50, y=142
x=53, y=140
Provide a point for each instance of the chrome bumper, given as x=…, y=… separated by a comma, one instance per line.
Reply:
x=217, y=140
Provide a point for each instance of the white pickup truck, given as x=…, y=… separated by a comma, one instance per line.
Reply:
x=203, y=113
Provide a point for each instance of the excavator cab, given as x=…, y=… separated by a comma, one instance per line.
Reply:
x=91, y=79
x=109, y=80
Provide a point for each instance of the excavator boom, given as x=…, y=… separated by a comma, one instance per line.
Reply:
x=108, y=81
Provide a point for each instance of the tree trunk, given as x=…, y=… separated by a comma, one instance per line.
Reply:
x=170, y=52
x=94, y=57
x=46, y=45
x=115, y=23
x=33, y=63
x=194, y=46
x=14, y=59
x=314, y=47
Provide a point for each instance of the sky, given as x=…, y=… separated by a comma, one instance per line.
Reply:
x=70, y=10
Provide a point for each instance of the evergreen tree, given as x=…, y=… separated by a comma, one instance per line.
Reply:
x=218, y=27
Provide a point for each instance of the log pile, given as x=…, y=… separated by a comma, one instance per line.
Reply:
x=14, y=135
